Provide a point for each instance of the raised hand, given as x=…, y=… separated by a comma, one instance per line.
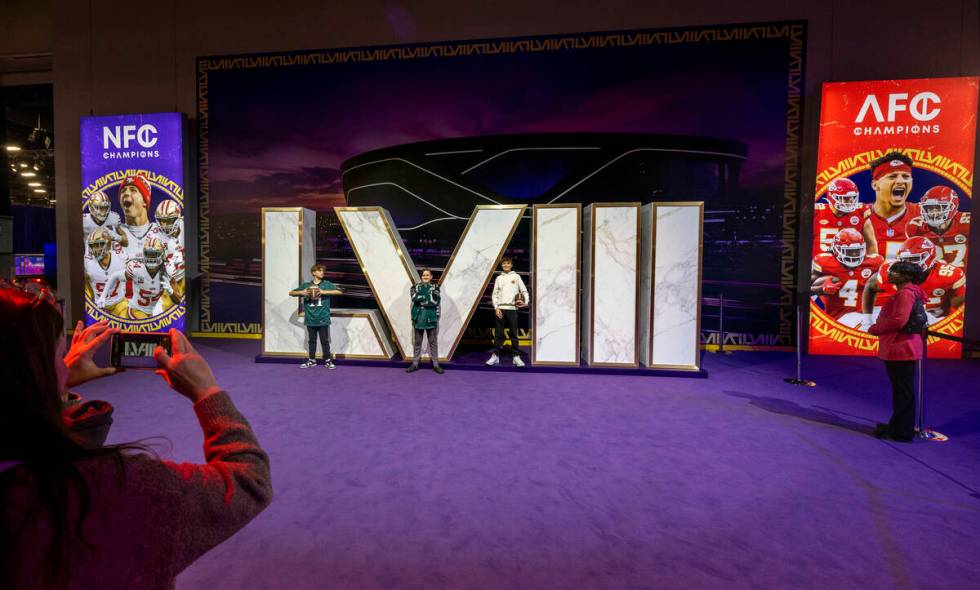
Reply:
x=185, y=371
x=84, y=343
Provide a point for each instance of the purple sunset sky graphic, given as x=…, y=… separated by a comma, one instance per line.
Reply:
x=281, y=134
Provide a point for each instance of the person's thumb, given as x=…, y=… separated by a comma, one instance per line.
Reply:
x=161, y=356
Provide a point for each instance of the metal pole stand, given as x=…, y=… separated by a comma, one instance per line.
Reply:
x=922, y=433
x=799, y=380
x=721, y=325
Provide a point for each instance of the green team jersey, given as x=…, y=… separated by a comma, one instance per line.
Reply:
x=316, y=312
x=425, y=305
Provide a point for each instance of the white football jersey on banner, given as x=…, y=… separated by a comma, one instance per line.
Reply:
x=147, y=288
x=138, y=235
x=89, y=225
x=174, y=262
x=98, y=278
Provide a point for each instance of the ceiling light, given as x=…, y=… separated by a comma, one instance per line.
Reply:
x=23, y=164
x=33, y=184
x=13, y=148
x=28, y=174
x=40, y=190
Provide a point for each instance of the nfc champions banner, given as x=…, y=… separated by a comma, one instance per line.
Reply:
x=132, y=205
x=894, y=182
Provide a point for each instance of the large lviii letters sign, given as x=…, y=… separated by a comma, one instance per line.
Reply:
x=894, y=182
x=638, y=271
x=288, y=252
x=133, y=223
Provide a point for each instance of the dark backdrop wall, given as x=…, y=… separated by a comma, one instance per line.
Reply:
x=104, y=65
x=33, y=228
x=708, y=114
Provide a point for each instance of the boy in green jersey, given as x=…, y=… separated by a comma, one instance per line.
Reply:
x=425, y=320
x=316, y=313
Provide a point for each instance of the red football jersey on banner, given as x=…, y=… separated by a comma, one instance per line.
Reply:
x=826, y=224
x=943, y=283
x=953, y=241
x=890, y=234
x=848, y=299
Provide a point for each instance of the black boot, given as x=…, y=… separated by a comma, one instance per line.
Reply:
x=880, y=430
x=412, y=368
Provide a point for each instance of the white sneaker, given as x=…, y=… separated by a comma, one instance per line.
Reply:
x=309, y=363
x=329, y=364
x=493, y=360
x=517, y=361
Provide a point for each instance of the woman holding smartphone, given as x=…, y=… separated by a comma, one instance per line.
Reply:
x=83, y=516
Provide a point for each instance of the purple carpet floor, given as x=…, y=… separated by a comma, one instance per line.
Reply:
x=508, y=480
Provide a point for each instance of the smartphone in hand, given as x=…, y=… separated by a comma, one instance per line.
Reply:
x=134, y=350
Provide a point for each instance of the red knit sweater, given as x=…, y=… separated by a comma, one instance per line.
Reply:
x=150, y=523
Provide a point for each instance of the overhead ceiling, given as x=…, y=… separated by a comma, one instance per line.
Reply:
x=28, y=143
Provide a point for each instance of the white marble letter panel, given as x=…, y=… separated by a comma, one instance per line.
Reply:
x=676, y=285
x=556, y=259
x=586, y=320
x=464, y=280
x=387, y=265
x=359, y=334
x=647, y=232
x=614, y=248
x=288, y=251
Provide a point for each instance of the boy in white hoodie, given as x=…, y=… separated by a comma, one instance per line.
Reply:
x=509, y=294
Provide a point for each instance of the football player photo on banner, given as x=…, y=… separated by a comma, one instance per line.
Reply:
x=894, y=182
x=132, y=219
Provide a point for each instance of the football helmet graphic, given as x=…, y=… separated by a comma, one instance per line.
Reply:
x=938, y=205
x=919, y=250
x=167, y=214
x=843, y=194
x=98, y=207
x=849, y=247
x=99, y=242
x=154, y=251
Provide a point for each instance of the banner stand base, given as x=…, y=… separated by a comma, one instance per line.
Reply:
x=795, y=381
x=931, y=435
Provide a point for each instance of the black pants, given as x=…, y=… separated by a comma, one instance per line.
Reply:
x=509, y=321
x=324, y=332
x=902, y=376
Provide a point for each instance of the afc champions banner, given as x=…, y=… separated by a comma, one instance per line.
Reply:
x=894, y=182
x=133, y=221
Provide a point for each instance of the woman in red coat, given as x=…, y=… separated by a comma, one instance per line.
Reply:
x=899, y=349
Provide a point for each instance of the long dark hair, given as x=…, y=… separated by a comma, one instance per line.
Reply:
x=33, y=432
